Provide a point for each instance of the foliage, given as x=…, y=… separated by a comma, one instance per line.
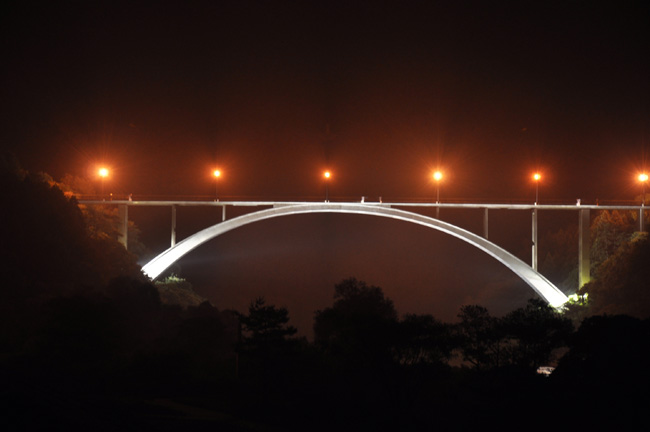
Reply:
x=360, y=326
x=46, y=253
x=355, y=297
x=609, y=230
x=618, y=267
x=533, y=332
x=207, y=338
x=422, y=339
x=102, y=221
x=576, y=308
x=605, y=372
x=479, y=337
x=46, y=249
x=176, y=290
x=524, y=338
x=623, y=282
x=75, y=331
x=39, y=228
x=266, y=325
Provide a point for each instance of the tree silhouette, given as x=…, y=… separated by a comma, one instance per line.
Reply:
x=47, y=249
x=605, y=373
x=533, y=332
x=360, y=326
x=421, y=339
x=622, y=285
x=177, y=290
x=480, y=337
x=266, y=325
x=102, y=221
x=609, y=230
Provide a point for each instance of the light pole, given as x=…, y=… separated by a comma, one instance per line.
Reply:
x=536, y=177
x=437, y=177
x=103, y=173
x=327, y=175
x=216, y=173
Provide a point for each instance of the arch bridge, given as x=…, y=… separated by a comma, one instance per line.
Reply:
x=272, y=209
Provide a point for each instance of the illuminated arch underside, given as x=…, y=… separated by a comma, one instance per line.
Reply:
x=536, y=281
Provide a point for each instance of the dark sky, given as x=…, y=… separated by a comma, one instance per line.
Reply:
x=379, y=92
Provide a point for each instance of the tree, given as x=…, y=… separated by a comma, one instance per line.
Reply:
x=266, y=325
x=47, y=243
x=609, y=230
x=533, y=332
x=267, y=351
x=206, y=339
x=606, y=370
x=479, y=337
x=177, y=290
x=47, y=252
x=622, y=285
x=102, y=221
x=45, y=248
x=422, y=339
x=360, y=326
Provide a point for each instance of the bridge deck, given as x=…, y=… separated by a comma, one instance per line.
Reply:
x=155, y=203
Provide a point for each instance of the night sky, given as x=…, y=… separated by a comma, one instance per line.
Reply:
x=381, y=93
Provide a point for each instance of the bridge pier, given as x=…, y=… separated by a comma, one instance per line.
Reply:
x=173, y=242
x=534, y=258
x=123, y=225
x=641, y=218
x=584, y=247
x=485, y=223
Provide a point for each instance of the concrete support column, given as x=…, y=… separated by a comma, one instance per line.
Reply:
x=641, y=219
x=485, y=223
x=534, y=257
x=584, y=247
x=123, y=225
x=173, y=242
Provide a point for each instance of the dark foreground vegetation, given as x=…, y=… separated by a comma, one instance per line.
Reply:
x=87, y=344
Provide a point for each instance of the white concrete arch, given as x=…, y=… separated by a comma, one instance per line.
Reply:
x=536, y=281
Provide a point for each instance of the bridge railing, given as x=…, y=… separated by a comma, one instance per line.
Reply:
x=351, y=199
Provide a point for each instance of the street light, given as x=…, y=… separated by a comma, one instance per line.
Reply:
x=327, y=175
x=216, y=173
x=537, y=177
x=103, y=173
